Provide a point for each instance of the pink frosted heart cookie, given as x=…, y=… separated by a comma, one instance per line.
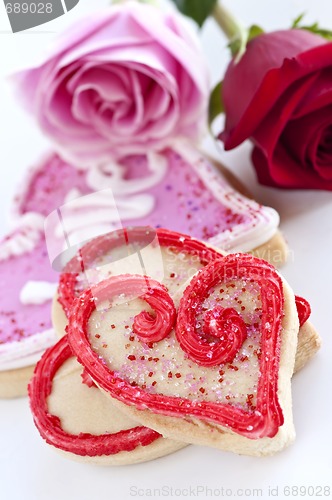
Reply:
x=226, y=363
x=74, y=417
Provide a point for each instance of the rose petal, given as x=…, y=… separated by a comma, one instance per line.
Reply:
x=282, y=170
x=303, y=136
x=318, y=96
x=268, y=133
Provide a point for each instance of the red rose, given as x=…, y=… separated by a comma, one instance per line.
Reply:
x=280, y=96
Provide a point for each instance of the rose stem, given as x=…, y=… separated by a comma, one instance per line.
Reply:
x=231, y=27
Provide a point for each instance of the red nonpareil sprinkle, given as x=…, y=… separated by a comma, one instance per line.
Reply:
x=172, y=275
x=249, y=399
x=202, y=390
x=131, y=357
x=154, y=383
x=233, y=367
x=113, y=326
x=221, y=372
x=244, y=358
x=155, y=360
x=142, y=358
x=97, y=336
x=150, y=374
x=228, y=397
x=178, y=375
x=170, y=375
x=221, y=380
x=243, y=308
x=131, y=338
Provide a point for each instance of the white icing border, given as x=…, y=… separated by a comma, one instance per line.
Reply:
x=18, y=354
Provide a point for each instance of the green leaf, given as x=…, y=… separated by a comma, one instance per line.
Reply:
x=199, y=10
x=254, y=31
x=297, y=21
x=313, y=28
x=216, y=105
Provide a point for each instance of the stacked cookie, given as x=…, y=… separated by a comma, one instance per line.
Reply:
x=166, y=341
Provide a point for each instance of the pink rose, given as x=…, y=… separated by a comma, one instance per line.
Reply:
x=125, y=80
x=280, y=96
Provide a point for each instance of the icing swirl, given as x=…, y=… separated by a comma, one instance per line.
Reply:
x=148, y=327
x=225, y=329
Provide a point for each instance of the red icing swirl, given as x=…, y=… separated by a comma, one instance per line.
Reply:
x=148, y=327
x=224, y=328
x=49, y=426
x=131, y=236
x=303, y=309
x=267, y=417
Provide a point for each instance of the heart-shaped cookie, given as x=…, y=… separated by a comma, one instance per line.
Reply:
x=243, y=403
x=73, y=416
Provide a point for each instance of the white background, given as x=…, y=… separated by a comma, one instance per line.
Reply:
x=31, y=470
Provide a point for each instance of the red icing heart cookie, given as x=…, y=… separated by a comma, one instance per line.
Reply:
x=72, y=415
x=245, y=401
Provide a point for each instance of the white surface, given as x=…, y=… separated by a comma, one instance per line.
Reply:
x=31, y=470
